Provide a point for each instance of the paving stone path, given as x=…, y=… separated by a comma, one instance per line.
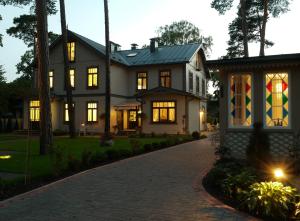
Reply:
x=160, y=186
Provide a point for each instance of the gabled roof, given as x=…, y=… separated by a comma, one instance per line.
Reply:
x=139, y=57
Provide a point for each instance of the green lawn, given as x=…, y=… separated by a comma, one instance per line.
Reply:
x=43, y=165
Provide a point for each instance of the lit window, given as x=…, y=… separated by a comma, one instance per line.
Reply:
x=51, y=79
x=34, y=111
x=163, y=112
x=132, y=116
x=165, y=79
x=142, y=81
x=92, y=109
x=93, y=77
x=71, y=51
x=72, y=77
x=240, y=100
x=191, y=82
x=277, y=101
x=66, y=112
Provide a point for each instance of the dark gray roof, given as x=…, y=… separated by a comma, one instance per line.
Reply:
x=164, y=55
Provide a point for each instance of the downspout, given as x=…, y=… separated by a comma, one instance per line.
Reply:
x=187, y=100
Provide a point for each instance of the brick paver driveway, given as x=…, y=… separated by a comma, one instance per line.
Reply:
x=161, y=186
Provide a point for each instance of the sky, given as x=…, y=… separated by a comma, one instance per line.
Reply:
x=136, y=21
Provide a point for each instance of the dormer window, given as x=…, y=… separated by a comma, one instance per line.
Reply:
x=71, y=51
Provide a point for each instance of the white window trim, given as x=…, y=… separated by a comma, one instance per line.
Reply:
x=264, y=102
x=229, y=101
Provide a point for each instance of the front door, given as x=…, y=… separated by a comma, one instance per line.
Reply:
x=120, y=121
x=132, y=119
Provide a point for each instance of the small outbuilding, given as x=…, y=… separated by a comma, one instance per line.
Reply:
x=259, y=89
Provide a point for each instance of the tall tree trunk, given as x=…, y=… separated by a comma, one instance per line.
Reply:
x=263, y=29
x=43, y=77
x=244, y=27
x=66, y=69
x=107, y=68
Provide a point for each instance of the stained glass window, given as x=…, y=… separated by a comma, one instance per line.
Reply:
x=240, y=100
x=277, y=100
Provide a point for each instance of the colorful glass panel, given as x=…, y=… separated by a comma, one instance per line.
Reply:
x=240, y=100
x=277, y=100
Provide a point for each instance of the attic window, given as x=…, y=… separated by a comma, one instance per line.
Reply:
x=132, y=55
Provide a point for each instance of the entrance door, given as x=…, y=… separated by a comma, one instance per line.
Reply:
x=120, y=120
x=132, y=119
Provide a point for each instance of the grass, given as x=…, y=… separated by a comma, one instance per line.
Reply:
x=42, y=166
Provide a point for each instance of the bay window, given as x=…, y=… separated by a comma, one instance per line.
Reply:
x=163, y=112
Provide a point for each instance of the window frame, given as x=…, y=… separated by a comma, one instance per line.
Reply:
x=71, y=68
x=35, y=108
x=87, y=77
x=197, y=84
x=167, y=122
x=159, y=77
x=191, y=81
x=137, y=78
x=75, y=43
x=51, y=88
x=64, y=112
x=230, y=126
x=289, y=100
x=87, y=112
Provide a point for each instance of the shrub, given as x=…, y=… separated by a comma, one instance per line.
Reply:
x=73, y=163
x=233, y=185
x=270, y=199
x=196, y=135
x=136, y=146
x=164, y=144
x=124, y=153
x=148, y=147
x=112, y=154
x=258, y=150
x=58, y=160
x=155, y=145
x=98, y=157
x=86, y=157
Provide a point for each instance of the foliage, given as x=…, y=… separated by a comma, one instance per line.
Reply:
x=73, y=163
x=106, y=139
x=223, y=152
x=183, y=32
x=270, y=199
x=86, y=159
x=1, y=44
x=136, y=146
x=258, y=150
x=58, y=160
x=147, y=147
x=2, y=77
x=233, y=185
x=196, y=135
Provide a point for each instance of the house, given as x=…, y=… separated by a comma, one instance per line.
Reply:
x=155, y=89
x=259, y=89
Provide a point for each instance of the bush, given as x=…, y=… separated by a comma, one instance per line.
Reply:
x=136, y=146
x=148, y=147
x=155, y=145
x=98, y=157
x=196, y=135
x=258, y=150
x=112, y=154
x=163, y=144
x=270, y=199
x=73, y=163
x=233, y=185
x=58, y=160
x=124, y=153
x=86, y=158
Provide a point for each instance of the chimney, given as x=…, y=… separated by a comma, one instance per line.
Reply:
x=114, y=47
x=134, y=46
x=153, y=44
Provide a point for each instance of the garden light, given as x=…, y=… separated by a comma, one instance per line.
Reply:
x=278, y=173
x=6, y=157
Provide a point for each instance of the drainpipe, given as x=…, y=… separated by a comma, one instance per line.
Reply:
x=187, y=100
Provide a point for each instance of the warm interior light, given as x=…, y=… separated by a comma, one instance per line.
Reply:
x=278, y=173
x=6, y=157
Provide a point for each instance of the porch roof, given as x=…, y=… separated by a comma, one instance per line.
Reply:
x=127, y=105
x=258, y=62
